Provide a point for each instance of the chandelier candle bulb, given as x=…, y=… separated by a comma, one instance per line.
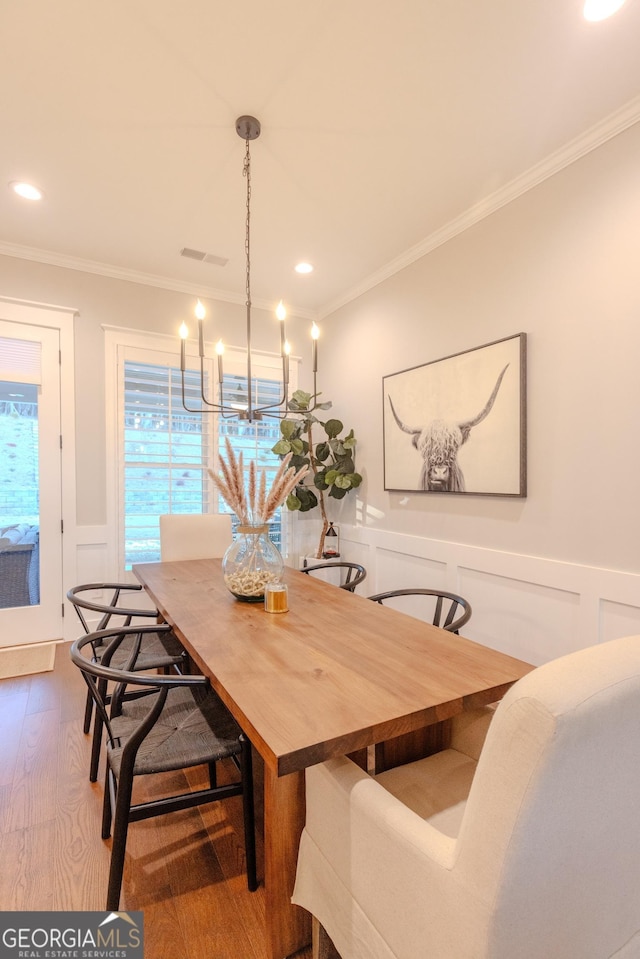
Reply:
x=281, y=313
x=285, y=356
x=184, y=333
x=220, y=351
x=200, y=314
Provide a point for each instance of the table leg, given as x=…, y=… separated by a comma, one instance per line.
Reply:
x=411, y=746
x=288, y=926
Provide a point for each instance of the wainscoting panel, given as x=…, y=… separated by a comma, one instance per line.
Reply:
x=401, y=570
x=526, y=620
x=618, y=619
x=533, y=608
x=95, y=564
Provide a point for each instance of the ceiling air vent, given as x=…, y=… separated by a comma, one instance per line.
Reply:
x=204, y=257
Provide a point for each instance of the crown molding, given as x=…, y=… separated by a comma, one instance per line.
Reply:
x=134, y=276
x=115, y=272
x=593, y=138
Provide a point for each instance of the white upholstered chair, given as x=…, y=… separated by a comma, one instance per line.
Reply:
x=533, y=852
x=194, y=535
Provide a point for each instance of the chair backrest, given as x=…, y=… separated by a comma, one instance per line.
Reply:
x=112, y=607
x=551, y=828
x=450, y=612
x=97, y=674
x=352, y=574
x=194, y=535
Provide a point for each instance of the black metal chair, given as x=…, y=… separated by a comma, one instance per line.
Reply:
x=355, y=573
x=446, y=605
x=178, y=723
x=161, y=650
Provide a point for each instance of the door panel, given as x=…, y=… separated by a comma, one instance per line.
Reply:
x=30, y=485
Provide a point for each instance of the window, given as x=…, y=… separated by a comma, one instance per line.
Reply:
x=164, y=451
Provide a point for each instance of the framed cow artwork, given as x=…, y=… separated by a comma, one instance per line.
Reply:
x=458, y=424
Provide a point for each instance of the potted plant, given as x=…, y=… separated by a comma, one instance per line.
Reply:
x=320, y=446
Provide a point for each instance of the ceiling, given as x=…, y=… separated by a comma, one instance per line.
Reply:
x=386, y=128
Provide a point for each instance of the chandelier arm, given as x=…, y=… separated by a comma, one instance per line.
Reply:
x=274, y=406
x=206, y=402
x=184, y=401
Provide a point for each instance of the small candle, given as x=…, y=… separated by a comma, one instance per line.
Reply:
x=200, y=314
x=287, y=351
x=281, y=313
x=276, y=599
x=220, y=351
x=184, y=333
x=315, y=333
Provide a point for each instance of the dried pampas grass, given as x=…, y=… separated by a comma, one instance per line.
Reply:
x=256, y=506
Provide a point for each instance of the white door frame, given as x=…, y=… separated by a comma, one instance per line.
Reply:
x=61, y=319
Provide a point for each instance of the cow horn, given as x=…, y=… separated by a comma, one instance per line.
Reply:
x=466, y=426
x=407, y=429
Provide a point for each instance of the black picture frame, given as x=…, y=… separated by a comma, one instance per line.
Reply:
x=458, y=424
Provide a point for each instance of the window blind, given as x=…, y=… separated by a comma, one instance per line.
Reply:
x=20, y=360
x=166, y=452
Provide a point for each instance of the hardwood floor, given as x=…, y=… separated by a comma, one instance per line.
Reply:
x=185, y=871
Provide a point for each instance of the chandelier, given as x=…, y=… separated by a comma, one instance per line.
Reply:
x=249, y=129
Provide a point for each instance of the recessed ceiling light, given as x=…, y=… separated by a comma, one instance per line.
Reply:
x=304, y=268
x=26, y=190
x=600, y=9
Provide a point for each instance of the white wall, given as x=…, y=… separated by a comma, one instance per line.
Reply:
x=561, y=264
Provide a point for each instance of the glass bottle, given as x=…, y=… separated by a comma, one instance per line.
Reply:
x=251, y=562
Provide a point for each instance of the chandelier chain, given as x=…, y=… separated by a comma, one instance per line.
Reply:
x=247, y=239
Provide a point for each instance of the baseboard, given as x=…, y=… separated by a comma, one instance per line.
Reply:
x=24, y=660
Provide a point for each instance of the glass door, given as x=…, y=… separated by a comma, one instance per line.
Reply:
x=30, y=485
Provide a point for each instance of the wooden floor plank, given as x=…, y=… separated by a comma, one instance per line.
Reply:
x=26, y=876
x=35, y=775
x=185, y=871
x=81, y=861
x=45, y=692
x=14, y=696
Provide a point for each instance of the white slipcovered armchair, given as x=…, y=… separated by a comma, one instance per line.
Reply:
x=535, y=856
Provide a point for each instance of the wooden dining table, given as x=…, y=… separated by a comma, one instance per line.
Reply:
x=335, y=675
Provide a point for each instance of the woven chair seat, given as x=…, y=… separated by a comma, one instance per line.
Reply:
x=159, y=650
x=194, y=727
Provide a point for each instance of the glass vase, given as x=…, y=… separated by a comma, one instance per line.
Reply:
x=250, y=563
